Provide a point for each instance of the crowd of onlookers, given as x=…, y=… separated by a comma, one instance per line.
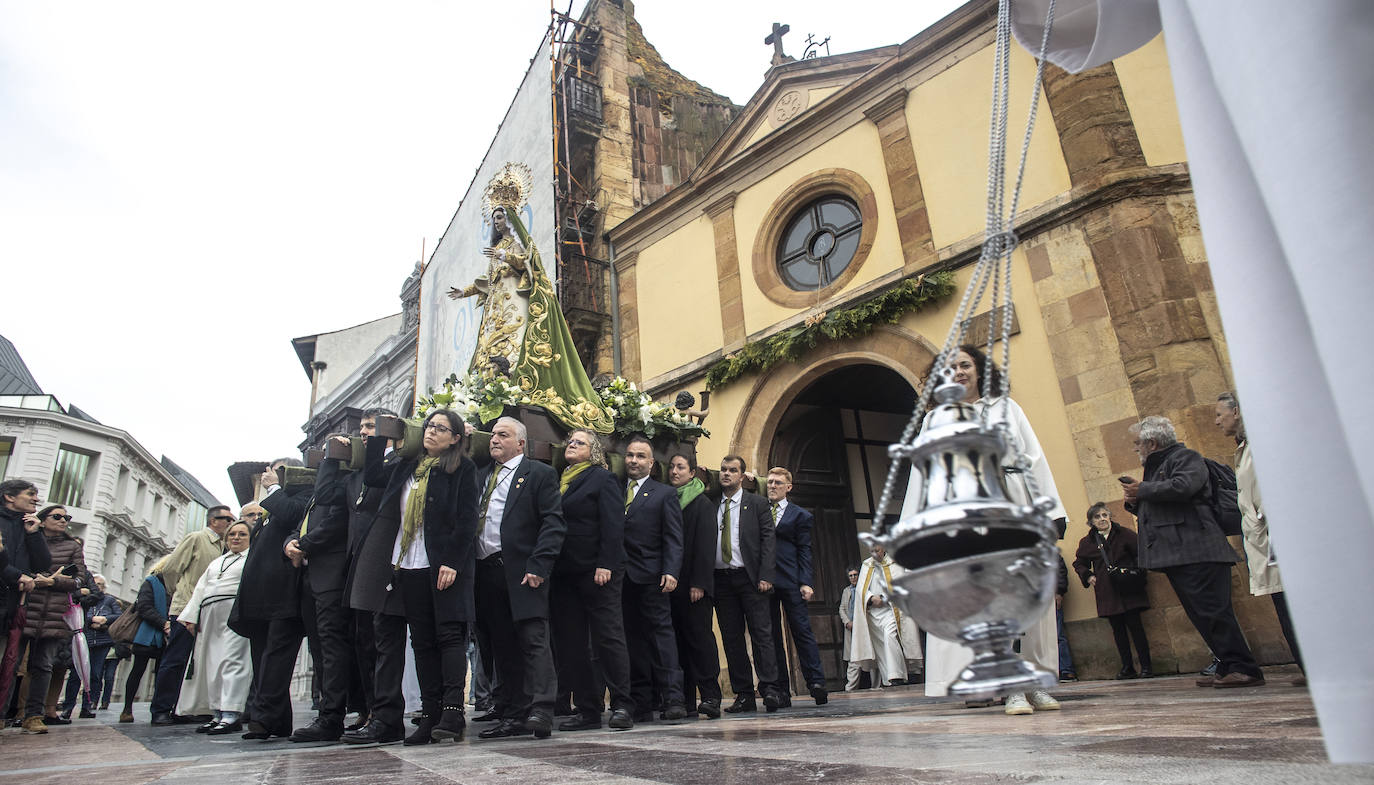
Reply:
x=568, y=591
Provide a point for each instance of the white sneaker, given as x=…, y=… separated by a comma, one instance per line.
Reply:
x=1043, y=701
x=1017, y=704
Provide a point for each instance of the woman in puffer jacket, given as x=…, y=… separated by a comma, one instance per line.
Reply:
x=45, y=633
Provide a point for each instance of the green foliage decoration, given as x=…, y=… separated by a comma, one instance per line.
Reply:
x=909, y=296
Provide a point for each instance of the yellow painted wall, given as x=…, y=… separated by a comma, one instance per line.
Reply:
x=1149, y=90
x=948, y=117
x=857, y=148
x=676, y=277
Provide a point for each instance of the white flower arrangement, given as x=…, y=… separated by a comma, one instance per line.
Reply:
x=637, y=412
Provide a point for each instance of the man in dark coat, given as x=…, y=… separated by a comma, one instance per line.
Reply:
x=1180, y=536
x=520, y=533
x=319, y=551
x=792, y=588
x=745, y=564
x=268, y=609
x=691, y=601
x=653, y=560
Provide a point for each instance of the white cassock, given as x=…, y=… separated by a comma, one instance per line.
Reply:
x=1274, y=102
x=883, y=637
x=223, y=664
x=1040, y=644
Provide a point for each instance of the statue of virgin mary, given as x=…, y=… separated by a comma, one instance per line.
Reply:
x=522, y=323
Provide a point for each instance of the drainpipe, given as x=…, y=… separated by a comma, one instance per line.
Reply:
x=615, y=306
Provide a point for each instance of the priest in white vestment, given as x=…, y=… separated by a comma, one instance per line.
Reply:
x=223, y=667
x=883, y=637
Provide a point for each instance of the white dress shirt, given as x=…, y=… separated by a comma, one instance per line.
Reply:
x=490, y=541
x=417, y=558
x=735, y=559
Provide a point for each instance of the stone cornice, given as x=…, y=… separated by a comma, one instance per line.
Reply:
x=720, y=206
x=895, y=102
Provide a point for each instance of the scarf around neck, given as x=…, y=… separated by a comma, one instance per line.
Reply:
x=415, y=505
x=688, y=493
x=571, y=473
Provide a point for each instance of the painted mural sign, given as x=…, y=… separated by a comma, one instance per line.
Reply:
x=450, y=327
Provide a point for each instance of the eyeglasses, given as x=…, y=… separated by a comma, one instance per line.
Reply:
x=223, y=518
x=576, y=443
x=59, y=517
x=437, y=428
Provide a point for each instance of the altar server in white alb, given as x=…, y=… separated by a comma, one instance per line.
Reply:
x=883, y=637
x=223, y=670
x=1040, y=644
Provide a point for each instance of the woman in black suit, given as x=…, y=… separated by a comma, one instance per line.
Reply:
x=415, y=570
x=585, y=597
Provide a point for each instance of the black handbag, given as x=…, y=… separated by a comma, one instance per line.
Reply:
x=1127, y=580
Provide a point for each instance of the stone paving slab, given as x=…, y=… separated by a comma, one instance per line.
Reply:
x=1155, y=732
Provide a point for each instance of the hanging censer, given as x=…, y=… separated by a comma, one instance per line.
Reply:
x=979, y=553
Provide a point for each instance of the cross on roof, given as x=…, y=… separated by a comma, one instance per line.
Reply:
x=775, y=40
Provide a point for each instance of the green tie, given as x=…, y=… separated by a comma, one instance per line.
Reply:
x=725, y=534
x=486, y=496
x=774, y=509
x=629, y=495
x=306, y=519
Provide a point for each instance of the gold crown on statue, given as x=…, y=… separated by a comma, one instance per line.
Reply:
x=509, y=188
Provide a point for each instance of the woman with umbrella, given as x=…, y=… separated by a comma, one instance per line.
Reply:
x=223, y=670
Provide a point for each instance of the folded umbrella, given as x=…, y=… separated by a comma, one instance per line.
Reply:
x=75, y=618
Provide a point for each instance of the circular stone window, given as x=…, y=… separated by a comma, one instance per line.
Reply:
x=819, y=242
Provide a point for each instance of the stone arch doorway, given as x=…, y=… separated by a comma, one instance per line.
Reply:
x=829, y=421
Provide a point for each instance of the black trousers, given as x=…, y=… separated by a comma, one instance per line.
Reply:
x=696, y=647
x=1204, y=591
x=270, y=704
x=136, y=670
x=441, y=653
x=739, y=604
x=587, y=620
x=1286, y=624
x=799, y=622
x=328, y=628
x=520, y=653
x=360, y=692
x=171, y=671
x=654, y=667
x=1122, y=623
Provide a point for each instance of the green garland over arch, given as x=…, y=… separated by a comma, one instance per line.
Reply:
x=909, y=296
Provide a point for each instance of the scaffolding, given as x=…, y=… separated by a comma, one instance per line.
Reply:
x=583, y=277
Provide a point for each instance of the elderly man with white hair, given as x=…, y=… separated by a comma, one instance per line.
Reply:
x=1180, y=537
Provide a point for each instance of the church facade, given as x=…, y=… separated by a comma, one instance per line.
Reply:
x=837, y=199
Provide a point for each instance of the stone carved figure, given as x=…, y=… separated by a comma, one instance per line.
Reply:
x=521, y=318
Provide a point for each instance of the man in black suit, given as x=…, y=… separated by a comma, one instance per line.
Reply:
x=319, y=550
x=653, y=558
x=792, y=588
x=745, y=554
x=520, y=534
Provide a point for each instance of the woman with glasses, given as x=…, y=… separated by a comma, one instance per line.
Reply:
x=223, y=670
x=584, y=598
x=46, y=635
x=415, y=569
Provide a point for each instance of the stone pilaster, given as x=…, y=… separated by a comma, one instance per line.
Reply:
x=908, y=197
x=627, y=272
x=1093, y=121
x=722, y=215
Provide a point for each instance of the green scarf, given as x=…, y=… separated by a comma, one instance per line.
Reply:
x=570, y=474
x=415, y=505
x=688, y=492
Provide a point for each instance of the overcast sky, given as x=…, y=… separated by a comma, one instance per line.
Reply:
x=185, y=187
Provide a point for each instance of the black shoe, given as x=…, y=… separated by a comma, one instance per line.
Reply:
x=374, y=732
x=104, y=707
x=1211, y=670
x=207, y=726
x=417, y=719
x=56, y=721
x=86, y=714
x=504, y=730
x=772, y=701
x=423, y=733
x=319, y=730
x=784, y=701
x=710, y=708
x=225, y=728
x=540, y=725
x=1146, y=673
x=819, y=694
x=1067, y=676
x=742, y=704
x=359, y=725
x=163, y=718
x=451, y=725
x=256, y=730
x=584, y=722
x=621, y=720
x=563, y=710
x=1127, y=673
x=644, y=716
x=674, y=712
x=490, y=716
x=897, y=683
